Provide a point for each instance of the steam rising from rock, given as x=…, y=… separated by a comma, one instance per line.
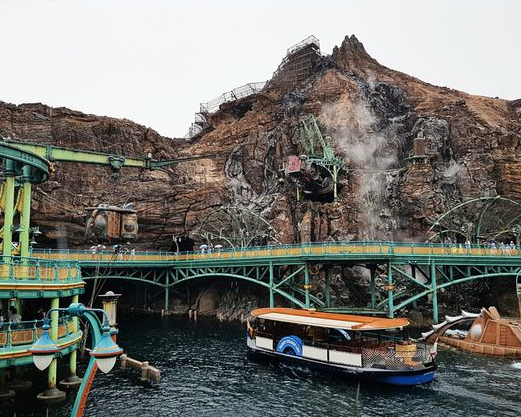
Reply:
x=373, y=148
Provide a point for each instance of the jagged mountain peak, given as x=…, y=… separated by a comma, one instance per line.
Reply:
x=352, y=56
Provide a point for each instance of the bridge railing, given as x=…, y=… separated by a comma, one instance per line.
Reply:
x=104, y=256
x=28, y=332
x=351, y=248
x=16, y=268
x=311, y=248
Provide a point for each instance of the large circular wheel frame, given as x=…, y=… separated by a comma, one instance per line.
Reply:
x=479, y=219
x=236, y=227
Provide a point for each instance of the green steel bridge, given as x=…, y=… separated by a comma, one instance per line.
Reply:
x=407, y=272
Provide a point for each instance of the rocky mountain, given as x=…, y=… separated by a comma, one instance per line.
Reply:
x=470, y=147
x=373, y=114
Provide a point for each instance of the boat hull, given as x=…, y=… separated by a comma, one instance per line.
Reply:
x=402, y=377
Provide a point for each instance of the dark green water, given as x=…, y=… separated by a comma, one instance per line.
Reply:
x=206, y=373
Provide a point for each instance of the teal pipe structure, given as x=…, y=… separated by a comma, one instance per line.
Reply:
x=104, y=347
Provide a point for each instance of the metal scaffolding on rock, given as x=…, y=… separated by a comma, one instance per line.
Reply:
x=295, y=67
x=298, y=63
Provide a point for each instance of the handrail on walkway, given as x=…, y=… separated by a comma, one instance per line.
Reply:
x=291, y=250
x=27, y=332
x=16, y=268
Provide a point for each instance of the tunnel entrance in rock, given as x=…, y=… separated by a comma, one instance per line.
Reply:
x=240, y=109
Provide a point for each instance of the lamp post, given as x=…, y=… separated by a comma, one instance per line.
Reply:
x=103, y=356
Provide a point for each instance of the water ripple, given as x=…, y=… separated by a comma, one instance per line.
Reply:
x=205, y=372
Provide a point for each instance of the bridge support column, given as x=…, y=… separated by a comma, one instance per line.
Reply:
x=373, y=287
x=328, y=295
x=25, y=221
x=272, y=295
x=413, y=274
x=434, y=293
x=167, y=292
x=390, y=289
x=518, y=287
x=53, y=394
x=306, y=284
x=9, y=185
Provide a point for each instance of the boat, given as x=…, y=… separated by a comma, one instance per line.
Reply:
x=488, y=333
x=363, y=347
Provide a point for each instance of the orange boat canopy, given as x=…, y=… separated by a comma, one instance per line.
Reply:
x=331, y=320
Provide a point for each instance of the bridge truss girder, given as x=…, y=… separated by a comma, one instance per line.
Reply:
x=434, y=277
x=291, y=282
x=405, y=281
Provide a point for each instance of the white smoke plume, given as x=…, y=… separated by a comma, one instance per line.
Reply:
x=450, y=174
x=371, y=154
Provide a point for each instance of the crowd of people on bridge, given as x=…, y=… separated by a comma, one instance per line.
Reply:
x=491, y=246
x=119, y=251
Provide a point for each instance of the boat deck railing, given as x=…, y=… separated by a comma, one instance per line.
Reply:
x=317, y=248
x=391, y=357
x=27, y=332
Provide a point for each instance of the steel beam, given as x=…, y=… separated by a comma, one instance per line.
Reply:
x=272, y=287
x=434, y=293
x=390, y=289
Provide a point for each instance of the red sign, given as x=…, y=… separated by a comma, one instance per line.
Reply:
x=293, y=163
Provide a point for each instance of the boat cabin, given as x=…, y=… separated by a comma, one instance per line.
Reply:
x=359, y=341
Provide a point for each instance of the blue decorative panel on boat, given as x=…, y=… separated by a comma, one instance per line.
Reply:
x=290, y=345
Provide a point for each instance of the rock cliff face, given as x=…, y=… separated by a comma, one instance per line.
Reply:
x=472, y=148
x=372, y=112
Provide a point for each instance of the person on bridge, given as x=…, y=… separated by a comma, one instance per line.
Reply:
x=14, y=317
x=468, y=246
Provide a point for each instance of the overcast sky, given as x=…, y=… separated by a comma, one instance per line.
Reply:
x=154, y=61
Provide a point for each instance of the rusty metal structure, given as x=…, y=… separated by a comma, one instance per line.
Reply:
x=316, y=171
x=110, y=223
